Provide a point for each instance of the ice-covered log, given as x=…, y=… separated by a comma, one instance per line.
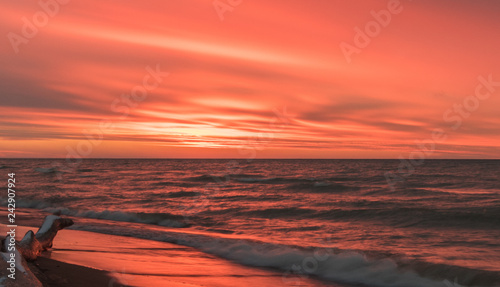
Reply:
x=28, y=249
x=19, y=275
x=31, y=246
x=52, y=224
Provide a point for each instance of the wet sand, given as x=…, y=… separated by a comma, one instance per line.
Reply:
x=81, y=258
x=59, y=274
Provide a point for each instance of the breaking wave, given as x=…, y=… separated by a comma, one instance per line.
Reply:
x=343, y=266
x=162, y=219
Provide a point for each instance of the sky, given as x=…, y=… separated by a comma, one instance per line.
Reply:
x=250, y=79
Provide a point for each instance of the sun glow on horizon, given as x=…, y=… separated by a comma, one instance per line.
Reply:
x=270, y=77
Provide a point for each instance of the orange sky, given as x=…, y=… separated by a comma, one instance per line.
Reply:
x=270, y=80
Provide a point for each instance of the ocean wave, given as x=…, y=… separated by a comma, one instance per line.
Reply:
x=322, y=184
x=321, y=187
x=224, y=177
x=251, y=178
x=280, y=212
x=161, y=183
x=254, y=198
x=175, y=194
x=279, y=180
x=31, y=203
x=300, y=183
x=182, y=194
x=451, y=184
x=46, y=170
x=86, y=175
x=341, y=266
x=481, y=217
x=162, y=219
x=208, y=178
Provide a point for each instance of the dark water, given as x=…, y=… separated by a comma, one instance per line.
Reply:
x=334, y=219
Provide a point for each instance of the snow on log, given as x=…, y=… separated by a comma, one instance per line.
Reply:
x=31, y=246
x=28, y=249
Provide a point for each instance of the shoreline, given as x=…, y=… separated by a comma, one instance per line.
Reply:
x=55, y=273
x=82, y=258
x=137, y=262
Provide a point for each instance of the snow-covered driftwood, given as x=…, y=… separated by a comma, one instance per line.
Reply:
x=29, y=248
x=32, y=245
x=23, y=275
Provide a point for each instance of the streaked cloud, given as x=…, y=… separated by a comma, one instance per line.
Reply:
x=227, y=79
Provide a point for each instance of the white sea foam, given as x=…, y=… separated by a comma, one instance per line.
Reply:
x=348, y=267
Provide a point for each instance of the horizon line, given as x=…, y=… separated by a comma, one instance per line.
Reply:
x=173, y=158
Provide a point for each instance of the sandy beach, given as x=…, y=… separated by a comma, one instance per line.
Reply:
x=81, y=258
x=57, y=273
